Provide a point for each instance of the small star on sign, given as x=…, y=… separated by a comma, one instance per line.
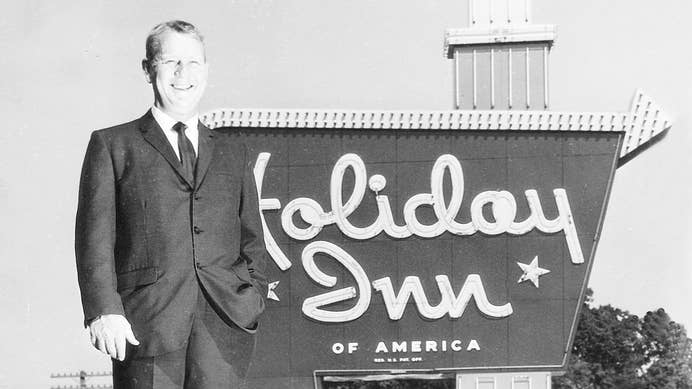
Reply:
x=532, y=271
x=270, y=291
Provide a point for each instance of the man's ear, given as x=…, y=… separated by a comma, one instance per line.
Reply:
x=147, y=70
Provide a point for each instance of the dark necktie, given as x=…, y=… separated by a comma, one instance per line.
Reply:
x=188, y=159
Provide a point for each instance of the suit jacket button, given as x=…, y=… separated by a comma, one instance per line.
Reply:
x=198, y=265
x=196, y=230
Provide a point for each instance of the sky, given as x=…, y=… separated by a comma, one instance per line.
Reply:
x=70, y=68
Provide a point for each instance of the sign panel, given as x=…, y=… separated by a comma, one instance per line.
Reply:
x=421, y=250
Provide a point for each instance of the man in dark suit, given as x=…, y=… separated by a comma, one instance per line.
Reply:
x=168, y=241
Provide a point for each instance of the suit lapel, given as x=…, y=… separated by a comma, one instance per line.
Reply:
x=205, y=151
x=152, y=133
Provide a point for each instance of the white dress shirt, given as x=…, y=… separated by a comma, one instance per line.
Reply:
x=166, y=123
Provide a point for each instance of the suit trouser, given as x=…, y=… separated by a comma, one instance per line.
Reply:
x=217, y=355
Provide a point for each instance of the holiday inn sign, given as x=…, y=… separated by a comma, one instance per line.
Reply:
x=420, y=241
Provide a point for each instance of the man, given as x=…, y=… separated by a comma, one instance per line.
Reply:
x=168, y=241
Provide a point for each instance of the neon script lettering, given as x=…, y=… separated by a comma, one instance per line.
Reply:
x=501, y=203
x=503, y=206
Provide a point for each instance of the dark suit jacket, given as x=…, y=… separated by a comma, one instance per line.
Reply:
x=146, y=239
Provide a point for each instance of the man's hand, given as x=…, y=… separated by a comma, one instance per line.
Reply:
x=109, y=334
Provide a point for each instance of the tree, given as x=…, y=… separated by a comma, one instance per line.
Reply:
x=669, y=352
x=615, y=349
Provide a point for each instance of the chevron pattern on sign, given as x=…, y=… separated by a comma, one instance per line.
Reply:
x=641, y=124
x=646, y=121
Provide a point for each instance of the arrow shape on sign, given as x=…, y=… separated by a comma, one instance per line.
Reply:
x=644, y=121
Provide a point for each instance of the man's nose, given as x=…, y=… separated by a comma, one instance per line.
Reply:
x=181, y=69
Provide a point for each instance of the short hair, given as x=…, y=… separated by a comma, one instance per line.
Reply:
x=153, y=44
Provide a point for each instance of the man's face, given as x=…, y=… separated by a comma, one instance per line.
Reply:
x=179, y=75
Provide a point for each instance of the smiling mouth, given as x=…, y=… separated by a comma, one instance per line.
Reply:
x=182, y=87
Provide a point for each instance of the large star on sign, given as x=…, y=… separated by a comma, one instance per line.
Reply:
x=532, y=271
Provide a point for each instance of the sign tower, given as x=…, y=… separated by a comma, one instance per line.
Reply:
x=501, y=58
x=435, y=244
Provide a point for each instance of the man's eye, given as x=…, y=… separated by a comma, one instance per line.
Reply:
x=170, y=62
